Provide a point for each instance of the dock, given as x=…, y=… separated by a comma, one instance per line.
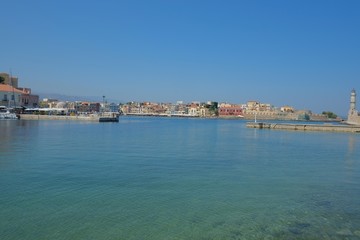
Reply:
x=108, y=117
x=89, y=117
x=305, y=127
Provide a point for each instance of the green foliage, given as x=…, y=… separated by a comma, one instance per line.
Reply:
x=304, y=117
x=213, y=108
x=330, y=114
x=2, y=79
x=43, y=104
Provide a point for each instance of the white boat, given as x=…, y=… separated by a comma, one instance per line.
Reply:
x=5, y=113
x=109, y=117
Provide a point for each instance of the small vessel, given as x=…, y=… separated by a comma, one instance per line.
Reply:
x=6, y=113
x=109, y=117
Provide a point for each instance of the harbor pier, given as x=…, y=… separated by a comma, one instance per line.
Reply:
x=91, y=117
x=305, y=127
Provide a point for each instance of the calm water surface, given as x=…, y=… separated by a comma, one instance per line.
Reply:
x=161, y=178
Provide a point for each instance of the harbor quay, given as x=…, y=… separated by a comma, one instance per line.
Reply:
x=106, y=117
x=58, y=117
x=305, y=127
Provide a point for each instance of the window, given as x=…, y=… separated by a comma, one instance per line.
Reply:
x=5, y=97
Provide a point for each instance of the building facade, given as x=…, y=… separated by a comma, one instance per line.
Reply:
x=28, y=100
x=230, y=110
x=10, y=96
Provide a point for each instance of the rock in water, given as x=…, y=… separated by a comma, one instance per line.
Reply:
x=344, y=232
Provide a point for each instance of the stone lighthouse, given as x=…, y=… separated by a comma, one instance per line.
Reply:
x=353, y=101
x=353, y=116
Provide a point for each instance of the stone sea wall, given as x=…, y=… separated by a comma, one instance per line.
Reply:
x=354, y=119
x=305, y=127
x=59, y=117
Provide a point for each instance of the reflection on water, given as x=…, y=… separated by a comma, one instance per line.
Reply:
x=351, y=162
x=352, y=142
x=14, y=135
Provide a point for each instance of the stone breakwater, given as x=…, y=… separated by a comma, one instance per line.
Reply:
x=94, y=118
x=305, y=127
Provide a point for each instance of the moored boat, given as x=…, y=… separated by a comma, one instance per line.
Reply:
x=109, y=117
x=6, y=113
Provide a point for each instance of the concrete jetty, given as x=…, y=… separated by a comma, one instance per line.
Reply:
x=305, y=127
x=90, y=117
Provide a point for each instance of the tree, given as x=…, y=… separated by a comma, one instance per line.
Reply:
x=2, y=80
x=330, y=114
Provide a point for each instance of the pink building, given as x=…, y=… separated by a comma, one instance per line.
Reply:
x=233, y=110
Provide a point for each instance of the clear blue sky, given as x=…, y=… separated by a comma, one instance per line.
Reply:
x=303, y=53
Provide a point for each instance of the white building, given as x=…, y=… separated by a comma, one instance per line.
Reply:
x=10, y=96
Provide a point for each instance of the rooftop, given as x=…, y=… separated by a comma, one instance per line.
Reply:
x=8, y=88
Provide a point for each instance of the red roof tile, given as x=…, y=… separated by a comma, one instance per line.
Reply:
x=8, y=88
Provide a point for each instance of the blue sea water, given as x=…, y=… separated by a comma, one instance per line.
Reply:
x=169, y=178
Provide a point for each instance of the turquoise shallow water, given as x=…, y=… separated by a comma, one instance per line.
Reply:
x=162, y=178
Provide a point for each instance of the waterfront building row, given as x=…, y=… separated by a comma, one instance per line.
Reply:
x=250, y=110
x=55, y=106
x=194, y=109
x=11, y=95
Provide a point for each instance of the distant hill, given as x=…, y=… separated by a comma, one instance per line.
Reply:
x=62, y=97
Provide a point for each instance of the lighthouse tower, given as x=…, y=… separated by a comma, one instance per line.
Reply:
x=353, y=116
x=353, y=101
